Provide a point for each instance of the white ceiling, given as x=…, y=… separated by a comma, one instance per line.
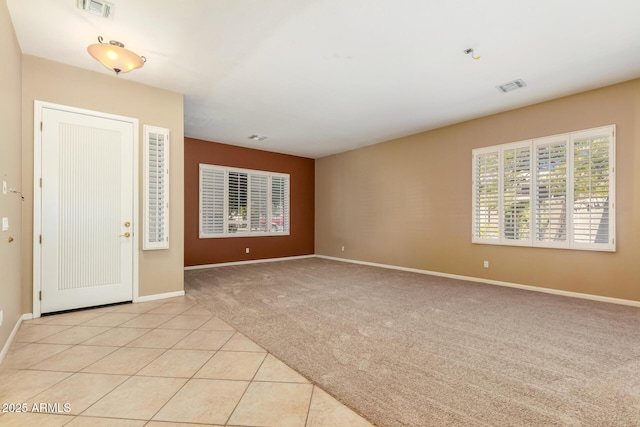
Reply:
x=319, y=77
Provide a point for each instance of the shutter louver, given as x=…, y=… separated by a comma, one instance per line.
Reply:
x=211, y=201
x=516, y=193
x=237, y=182
x=591, y=189
x=486, y=192
x=551, y=191
x=156, y=188
x=259, y=207
x=280, y=203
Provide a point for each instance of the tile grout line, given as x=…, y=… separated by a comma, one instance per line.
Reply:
x=247, y=388
x=41, y=338
x=188, y=379
x=51, y=386
x=115, y=387
x=126, y=380
x=76, y=345
x=313, y=390
x=31, y=368
x=132, y=375
x=128, y=377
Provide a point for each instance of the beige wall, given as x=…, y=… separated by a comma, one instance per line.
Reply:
x=160, y=271
x=407, y=202
x=10, y=163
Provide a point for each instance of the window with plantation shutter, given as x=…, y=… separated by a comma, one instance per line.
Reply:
x=156, y=188
x=556, y=192
x=242, y=202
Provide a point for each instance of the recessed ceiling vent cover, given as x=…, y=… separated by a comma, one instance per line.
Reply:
x=508, y=87
x=96, y=7
x=256, y=137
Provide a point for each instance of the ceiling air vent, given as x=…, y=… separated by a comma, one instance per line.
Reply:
x=256, y=137
x=508, y=87
x=96, y=7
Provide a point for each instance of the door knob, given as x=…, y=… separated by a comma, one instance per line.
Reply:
x=127, y=234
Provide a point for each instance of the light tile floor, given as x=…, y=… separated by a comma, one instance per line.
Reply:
x=158, y=364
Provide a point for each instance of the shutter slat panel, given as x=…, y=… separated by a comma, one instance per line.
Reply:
x=516, y=193
x=280, y=203
x=211, y=201
x=156, y=188
x=259, y=206
x=591, y=189
x=551, y=192
x=487, y=176
x=237, y=214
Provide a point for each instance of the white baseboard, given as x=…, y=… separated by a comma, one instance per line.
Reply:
x=12, y=336
x=253, y=261
x=156, y=297
x=493, y=282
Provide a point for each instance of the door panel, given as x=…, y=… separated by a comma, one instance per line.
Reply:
x=87, y=198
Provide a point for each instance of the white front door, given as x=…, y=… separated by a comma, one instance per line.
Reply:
x=86, y=210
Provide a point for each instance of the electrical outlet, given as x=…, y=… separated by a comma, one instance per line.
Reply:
x=4, y=187
x=246, y=251
x=342, y=249
x=1, y=316
x=5, y=224
x=486, y=264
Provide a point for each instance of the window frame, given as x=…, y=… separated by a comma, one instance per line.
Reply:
x=251, y=174
x=570, y=215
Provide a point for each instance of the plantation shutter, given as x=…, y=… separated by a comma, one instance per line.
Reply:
x=592, y=158
x=516, y=193
x=156, y=188
x=280, y=202
x=551, y=190
x=212, y=196
x=237, y=201
x=259, y=206
x=242, y=202
x=486, y=201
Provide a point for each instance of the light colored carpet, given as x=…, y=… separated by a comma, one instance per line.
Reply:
x=406, y=349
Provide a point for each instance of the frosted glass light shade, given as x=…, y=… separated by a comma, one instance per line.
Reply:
x=115, y=57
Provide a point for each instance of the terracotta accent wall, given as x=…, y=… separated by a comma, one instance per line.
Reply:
x=10, y=171
x=407, y=202
x=300, y=241
x=159, y=271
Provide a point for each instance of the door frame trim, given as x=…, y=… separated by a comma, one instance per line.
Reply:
x=38, y=106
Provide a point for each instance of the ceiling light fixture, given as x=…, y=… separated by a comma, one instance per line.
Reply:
x=257, y=137
x=470, y=52
x=115, y=57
